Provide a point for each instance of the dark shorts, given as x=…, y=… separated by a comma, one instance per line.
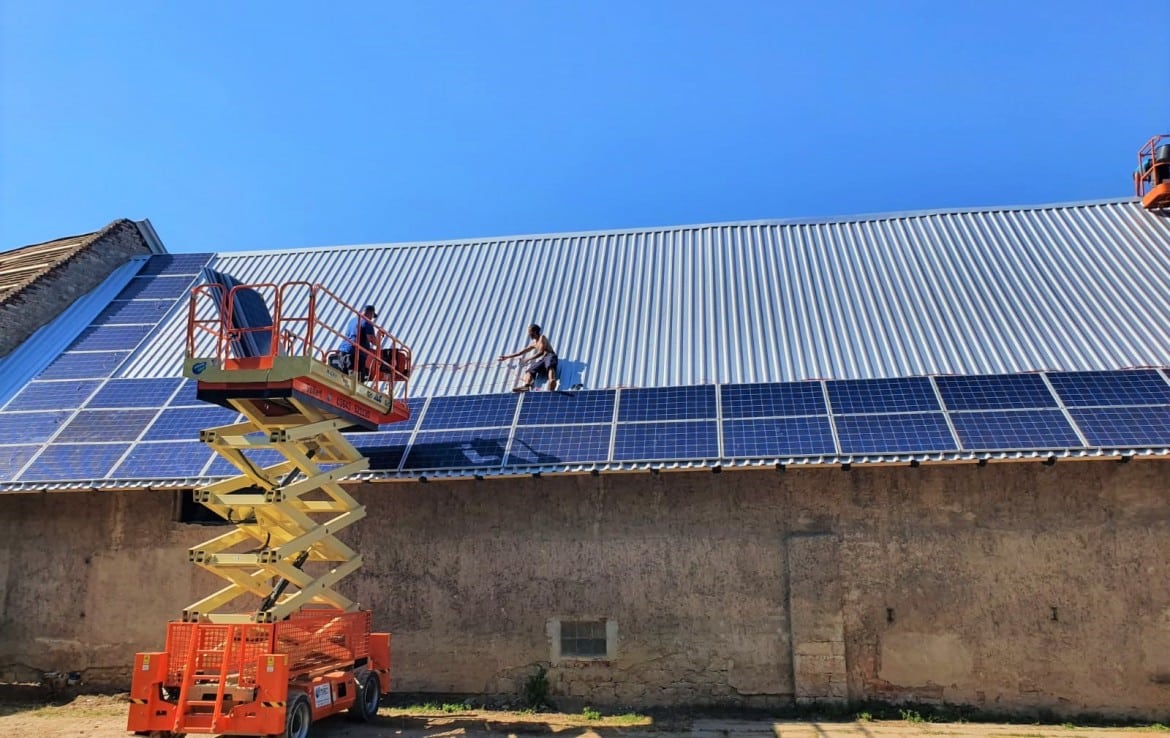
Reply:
x=541, y=366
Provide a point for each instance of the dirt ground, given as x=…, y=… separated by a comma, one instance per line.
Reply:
x=105, y=717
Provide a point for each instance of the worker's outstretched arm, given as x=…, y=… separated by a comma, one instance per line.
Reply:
x=521, y=352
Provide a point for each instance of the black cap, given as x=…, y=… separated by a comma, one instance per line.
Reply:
x=371, y=309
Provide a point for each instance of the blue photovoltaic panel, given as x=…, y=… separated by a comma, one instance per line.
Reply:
x=900, y=433
x=184, y=424
x=105, y=425
x=777, y=437
x=560, y=444
x=110, y=338
x=53, y=395
x=667, y=403
x=133, y=311
x=566, y=408
x=482, y=411
x=666, y=441
x=1005, y=430
x=13, y=459
x=457, y=449
x=30, y=427
x=416, y=408
x=384, y=450
x=771, y=400
x=1125, y=426
x=851, y=396
x=175, y=264
x=1086, y=389
x=83, y=365
x=159, y=288
x=186, y=395
x=134, y=393
x=260, y=458
x=62, y=462
x=998, y=392
x=161, y=460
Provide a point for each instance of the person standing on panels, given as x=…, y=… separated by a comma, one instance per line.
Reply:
x=543, y=362
x=360, y=333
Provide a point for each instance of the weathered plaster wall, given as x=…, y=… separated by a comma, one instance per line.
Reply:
x=1012, y=587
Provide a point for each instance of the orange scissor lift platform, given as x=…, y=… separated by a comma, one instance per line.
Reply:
x=1152, y=178
x=278, y=647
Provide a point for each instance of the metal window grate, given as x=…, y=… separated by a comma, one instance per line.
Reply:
x=583, y=639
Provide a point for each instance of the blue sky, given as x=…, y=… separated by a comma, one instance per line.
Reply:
x=277, y=125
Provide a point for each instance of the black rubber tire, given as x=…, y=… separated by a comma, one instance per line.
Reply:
x=298, y=717
x=369, y=694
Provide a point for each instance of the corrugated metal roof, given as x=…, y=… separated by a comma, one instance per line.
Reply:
x=1072, y=287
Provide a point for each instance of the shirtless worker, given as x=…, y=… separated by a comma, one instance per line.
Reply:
x=544, y=361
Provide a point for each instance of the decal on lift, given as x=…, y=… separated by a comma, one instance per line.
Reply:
x=322, y=696
x=198, y=367
x=334, y=399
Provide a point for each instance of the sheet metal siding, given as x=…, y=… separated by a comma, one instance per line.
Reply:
x=1065, y=287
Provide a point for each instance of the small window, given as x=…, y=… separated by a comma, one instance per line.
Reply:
x=196, y=513
x=583, y=639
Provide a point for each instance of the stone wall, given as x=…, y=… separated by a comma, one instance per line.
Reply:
x=53, y=292
x=1013, y=588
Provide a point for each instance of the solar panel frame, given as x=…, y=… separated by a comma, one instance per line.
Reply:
x=184, y=423
x=545, y=445
x=1124, y=426
x=771, y=400
x=881, y=396
x=688, y=440
x=84, y=365
x=38, y=395
x=110, y=338
x=133, y=312
x=457, y=449
x=1050, y=430
x=385, y=450
x=90, y=426
x=68, y=462
x=13, y=458
x=783, y=437
x=894, y=433
x=469, y=411
x=173, y=459
x=657, y=404
x=567, y=408
x=995, y=392
x=127, y=393
x=31, y=427
x=1111, y=388
x=175, y=264
x=158, y=287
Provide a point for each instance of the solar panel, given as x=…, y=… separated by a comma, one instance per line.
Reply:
x=30, y=427
x=1005, y=430
x=110, y=338
x=995, y=392
x=53, y=395
x=772, y=400
x=912, y=394
x=1125, y=426
x=159, y=288
x=134, y=393
x=175, y=264
x=666, y=441
x=560, y=444
x=105, y=425
x=897, y=433
x=1086, y=389
x=481, y=411
x=160, y=460
x=63, y=462
x=457, y=449
x=566, y=408
x=13, y=459
x=667, y=403
x=260, y=457
x=777, y=437
x=186, y=395
x=133, y=311
x=84, y=365
x=416, y=407
x=384, y=450
x=174, y=424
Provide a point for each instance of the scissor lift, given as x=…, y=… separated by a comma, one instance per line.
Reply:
x=278, y=647
x=1151, y=179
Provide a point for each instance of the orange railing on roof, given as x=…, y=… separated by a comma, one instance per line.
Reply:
x=217, y=328
x=1153, y=165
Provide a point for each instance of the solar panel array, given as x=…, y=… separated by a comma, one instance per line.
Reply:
x=146, y=429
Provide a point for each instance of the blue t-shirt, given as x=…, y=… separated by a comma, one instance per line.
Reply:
x=351, y=334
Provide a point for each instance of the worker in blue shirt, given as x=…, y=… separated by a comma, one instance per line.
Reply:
x=360, y=333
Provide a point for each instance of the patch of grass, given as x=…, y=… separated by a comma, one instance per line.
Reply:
x=1068, y=726
x=536, y=689
x=1159, y=727
x=864, y=717
x=912, y=716
x=590, y=714
x=629, y=718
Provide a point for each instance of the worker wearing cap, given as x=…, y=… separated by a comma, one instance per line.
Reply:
x=360, y=332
